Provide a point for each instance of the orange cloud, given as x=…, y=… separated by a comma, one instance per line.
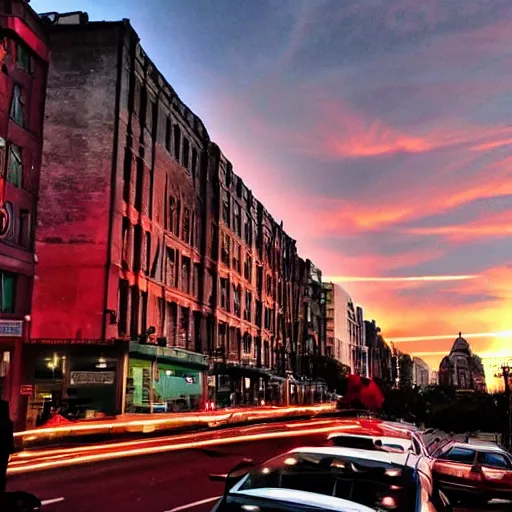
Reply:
x=355, y=279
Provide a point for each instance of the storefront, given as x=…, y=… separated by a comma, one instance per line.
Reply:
x=163, y=379
x=77, y=381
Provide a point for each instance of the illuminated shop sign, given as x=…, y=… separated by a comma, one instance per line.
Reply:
x=91, y=378
x=11, y=328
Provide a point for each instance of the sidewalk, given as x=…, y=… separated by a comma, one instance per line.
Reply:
x=161, y=422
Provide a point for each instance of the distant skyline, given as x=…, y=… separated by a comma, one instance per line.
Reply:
x=380, y=132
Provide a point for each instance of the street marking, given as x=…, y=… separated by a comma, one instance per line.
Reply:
x=52, y=501
x=194, y=504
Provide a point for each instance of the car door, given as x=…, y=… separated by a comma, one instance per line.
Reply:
x=496, y=471
x=454, y=466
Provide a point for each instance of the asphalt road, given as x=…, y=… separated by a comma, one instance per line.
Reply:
x=161, y=482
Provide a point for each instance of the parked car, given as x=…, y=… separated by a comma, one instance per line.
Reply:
x=332, y=478
x=478, y=472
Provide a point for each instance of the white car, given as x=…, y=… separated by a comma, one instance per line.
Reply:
x=332, y=478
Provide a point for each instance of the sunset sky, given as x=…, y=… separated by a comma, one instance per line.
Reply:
x=379, y=131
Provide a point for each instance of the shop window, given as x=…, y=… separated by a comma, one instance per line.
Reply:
x=248, y=306
x=225, y=209
x=237, y=219
x=15, y=166
x=225, y=249
x=224, y=294
x=237, y=256
x=124, y=290
x=248, y=268
x=177, y=142
x=168, y=130
x=23, y=58
x=8, y=291
x=236, y=300
x=18, y=105
x=185, y=234
x=170, y=267
x=25, y=231
x=185, y=274
x=185, y=153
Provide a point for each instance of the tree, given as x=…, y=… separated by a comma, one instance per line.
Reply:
x=332, y=371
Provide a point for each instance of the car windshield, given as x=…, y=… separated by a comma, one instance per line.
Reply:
x=367, y=482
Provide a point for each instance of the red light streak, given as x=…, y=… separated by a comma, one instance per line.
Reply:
x=133, y=448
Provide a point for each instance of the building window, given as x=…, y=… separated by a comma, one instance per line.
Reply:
x=127, y=174
x=268, y=319
x=185, y=274
x=224, y=294
x=185, y=154
x=259, y=309
x=8, y=291
x=168, y=129
x=225, y=209
x=237, y=219
x=170, y=266
x=124, y=289
x=209, y=287
x=266, y=354
x=139, y=184
x=15, y=166
x=136, y=98
x=237, y=257
x=247, y=344
x=148, y=253
x=248, y=268
x=225, y=249
x=18, y=105
x=172, y=214
x=124, y=241
x=185, y=234
x=193, y=167
x=248, y=230
x=177, y=142
x=239, y=187
x=178, y=218
x=269, y=285
x=23, y=58
x=259, y=278
x=236, y=300
x=25, y=233
x=137, y=244
x=197, y=283
x=248, y=306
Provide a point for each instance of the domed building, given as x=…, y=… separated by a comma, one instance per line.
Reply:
x=461, y=368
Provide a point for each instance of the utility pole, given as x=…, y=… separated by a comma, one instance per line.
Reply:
x=505, y=374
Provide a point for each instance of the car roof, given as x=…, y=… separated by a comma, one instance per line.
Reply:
x=377, y=428
x=385, y=439
x=479, y=446
x=339, y=451
x=304, y=498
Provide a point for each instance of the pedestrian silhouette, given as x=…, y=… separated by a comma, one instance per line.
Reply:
x=6, y=442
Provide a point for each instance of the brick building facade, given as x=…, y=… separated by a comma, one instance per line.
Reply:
x=24, y=60
x=157, y=266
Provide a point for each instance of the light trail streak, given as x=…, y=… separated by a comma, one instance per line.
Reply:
x=404, y=279
x=499, y=334
x=151, y=450
x=194, y=504
x=166, y=421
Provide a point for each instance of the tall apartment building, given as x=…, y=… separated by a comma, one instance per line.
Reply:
x=24, y=60
x=161, y=279
x=421, y=373
x=346, y=330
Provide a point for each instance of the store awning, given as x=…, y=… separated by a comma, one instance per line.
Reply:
x=173, y=355
x=241, y=371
